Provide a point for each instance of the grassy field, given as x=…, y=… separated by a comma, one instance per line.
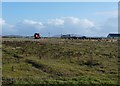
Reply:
x=59, y=61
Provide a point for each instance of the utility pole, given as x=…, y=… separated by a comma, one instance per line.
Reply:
x=49, y=34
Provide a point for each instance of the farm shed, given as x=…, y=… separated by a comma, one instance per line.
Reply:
x=113, y=36
x=66, y=36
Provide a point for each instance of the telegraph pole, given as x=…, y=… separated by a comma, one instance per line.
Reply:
x=49, y=34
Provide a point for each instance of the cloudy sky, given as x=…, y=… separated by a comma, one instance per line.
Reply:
x=81, y=18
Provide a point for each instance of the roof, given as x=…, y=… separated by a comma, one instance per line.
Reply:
x=113, y=35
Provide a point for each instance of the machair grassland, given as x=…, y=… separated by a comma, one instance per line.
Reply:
x=59, y=61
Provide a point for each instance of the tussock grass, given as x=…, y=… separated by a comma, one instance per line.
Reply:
x=59, y=61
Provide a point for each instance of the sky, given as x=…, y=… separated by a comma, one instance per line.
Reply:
x=60, y=0
x=81, y=18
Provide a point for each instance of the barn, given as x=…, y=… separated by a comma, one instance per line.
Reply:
x=113, y=35
x=66, y=36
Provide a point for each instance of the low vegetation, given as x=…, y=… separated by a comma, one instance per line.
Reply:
x=59, y=61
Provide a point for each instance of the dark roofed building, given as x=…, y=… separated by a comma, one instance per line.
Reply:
x=113, y=35
x=66, y=36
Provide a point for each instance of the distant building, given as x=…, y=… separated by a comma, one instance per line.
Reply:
x=113, y=36
x=66, y=36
